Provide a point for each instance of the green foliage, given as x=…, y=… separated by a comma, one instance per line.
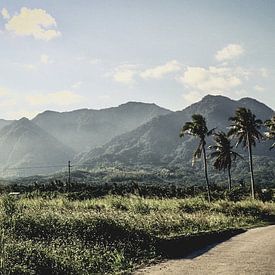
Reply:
x=194, y=205
x=9, y=206
x=237, y=193
x=266, y=194
x=108, y=234
x=270, y=134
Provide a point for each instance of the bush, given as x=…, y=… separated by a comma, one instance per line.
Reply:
x=194, y=205
x=237, y=194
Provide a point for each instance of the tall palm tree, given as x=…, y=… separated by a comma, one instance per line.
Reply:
x=223, y=154
x=245, y=127
x=197, y=127
x=270, y=124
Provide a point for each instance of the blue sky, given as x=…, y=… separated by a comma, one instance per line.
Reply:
x=62, y=55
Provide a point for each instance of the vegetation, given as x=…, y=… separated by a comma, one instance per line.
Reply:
x=270, y=124
x=108, y=234
x=223, y=154
x=245, y=127
x=197, y=127
x=109, y=223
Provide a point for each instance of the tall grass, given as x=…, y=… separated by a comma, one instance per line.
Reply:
x=109, y=234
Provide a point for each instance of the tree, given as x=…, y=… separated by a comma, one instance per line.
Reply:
x=245, y=127
x=223, y=154
x=197, y=127
x=270, y=124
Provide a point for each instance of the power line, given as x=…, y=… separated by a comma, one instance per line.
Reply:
x=48, y=166
x=34, y=167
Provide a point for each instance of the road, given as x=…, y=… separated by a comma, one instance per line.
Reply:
x=252, y=252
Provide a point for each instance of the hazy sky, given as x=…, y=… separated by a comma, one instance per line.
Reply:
x=68, y=54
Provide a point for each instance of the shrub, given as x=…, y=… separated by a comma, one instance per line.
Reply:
x=194, y=205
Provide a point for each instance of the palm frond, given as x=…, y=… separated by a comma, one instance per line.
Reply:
x=211, y=132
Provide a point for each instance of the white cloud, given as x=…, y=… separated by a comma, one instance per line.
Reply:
x=77, y=85
x=60, y=98
x=212, y=79
x=5, y=13
x=15, y=104
x=264, y=72
x=191, y=97
x=229, y=52
x=33, y=22
x=125, y=74
x=259, y=88
x=160, y=71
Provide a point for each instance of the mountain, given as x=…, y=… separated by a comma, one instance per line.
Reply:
x=157, y=142
x=84, y=129
x=4, y=123
x=24, y=144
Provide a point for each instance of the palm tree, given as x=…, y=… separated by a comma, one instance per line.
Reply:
x=223, y=154
x=245, y=127
x=197, y=127
x=270, y=124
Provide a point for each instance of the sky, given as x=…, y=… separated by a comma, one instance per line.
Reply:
x=69, y=54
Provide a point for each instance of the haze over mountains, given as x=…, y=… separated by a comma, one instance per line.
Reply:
x=53, y=138
x=157, y=142
x=131, y=134
x=24, y=144
x=84, y=129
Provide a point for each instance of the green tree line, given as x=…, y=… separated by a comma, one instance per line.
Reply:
x=244, y=130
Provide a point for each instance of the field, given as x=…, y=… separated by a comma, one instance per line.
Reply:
x=112, y=234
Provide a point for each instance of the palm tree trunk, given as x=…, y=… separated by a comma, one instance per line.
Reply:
x=251, y=169
x=229, y=178
x=206, y=174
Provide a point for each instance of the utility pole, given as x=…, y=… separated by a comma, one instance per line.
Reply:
x=69, y=173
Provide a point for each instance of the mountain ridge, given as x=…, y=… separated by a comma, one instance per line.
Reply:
x=131, y=134
x=23, y=143
x=88, y=128
x=157, y=142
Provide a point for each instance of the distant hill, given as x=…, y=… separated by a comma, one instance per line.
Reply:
x=85, y=129
x=131, y=135
x=4, y=122
x=157, y=142
x=24, y=144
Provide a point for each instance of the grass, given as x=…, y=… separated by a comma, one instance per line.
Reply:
x=110, y=234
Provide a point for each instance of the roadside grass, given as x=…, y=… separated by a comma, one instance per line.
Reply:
x=108, y=235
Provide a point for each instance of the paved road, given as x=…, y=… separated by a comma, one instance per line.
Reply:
x=252, y=252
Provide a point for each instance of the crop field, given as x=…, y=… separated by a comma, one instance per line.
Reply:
x=108, y=235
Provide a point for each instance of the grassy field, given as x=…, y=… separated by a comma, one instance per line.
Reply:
x=107, y=235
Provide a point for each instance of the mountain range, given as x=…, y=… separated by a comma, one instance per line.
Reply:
x=85, y=129
x=132, y=134
x=157, y=142
x=53, y=138
x=23, y=144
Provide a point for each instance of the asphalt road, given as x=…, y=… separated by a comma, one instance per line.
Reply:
x=252, y=252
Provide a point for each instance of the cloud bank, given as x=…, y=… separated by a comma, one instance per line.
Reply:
x=36, y=23
x=231, y=51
